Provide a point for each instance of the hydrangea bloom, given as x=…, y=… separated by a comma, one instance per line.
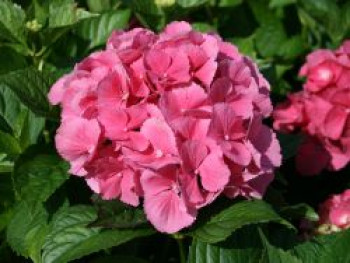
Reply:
x=320, y=111
x=172, y=120
x=335, y=212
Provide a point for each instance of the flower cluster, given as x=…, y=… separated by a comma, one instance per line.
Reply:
x=335, y=213
x=321, y=111
x=172, y=120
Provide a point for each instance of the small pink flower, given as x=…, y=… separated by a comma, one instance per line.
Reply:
x=336, y=210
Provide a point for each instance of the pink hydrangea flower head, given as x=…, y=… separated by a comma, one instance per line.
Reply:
x=320, y=111
x=170, y=121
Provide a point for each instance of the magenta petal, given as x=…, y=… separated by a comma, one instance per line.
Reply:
x=311, y=158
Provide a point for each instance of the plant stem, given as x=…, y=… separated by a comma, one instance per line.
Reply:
x=179, y=240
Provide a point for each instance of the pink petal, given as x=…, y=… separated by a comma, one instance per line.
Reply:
x=193, y=153
x=160, y=135
x=214, y=173
x=334, y=122
x=206, y=73
x=176, y=28
x=158, y=61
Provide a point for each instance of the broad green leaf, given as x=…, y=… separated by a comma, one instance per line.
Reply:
x=121, y=259
x=263, y=14
x=9, y=144
x=203, y=27
x=17, y=119
x=191, y=3
x=11, y=60
x=289, y=144
x=147, y=7
x=27, y=228
x=269, y=38
x=71, y=238
x=115, y=214
x=325, y=249
x=12, y=22
x=28, y=130
x=31, y=86
x=328, y=14
x=5, y=218
x=299, y=211
x=292, y=47
x=243, y=246
x=243, y=213
x=37, y=177
x=229, y=3
x=281, y=3
x=99, y=6
x=245, y=45
x=65, y=13
x=97, y=29
x=41, y=10
x=276, y=255
x=10, y=109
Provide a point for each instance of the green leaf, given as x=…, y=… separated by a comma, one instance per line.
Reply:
x=11, y=60
x=289, y=144
x=115, y=214
x=99, y=6
x=65, y=13
x=276, y=255
x=328, y=14
x=5, y=218
x=10, y=109
x=229, y=3
x=97, y=29
x=263, y=14
x=325, y=249
x=31, y=86
x=27, y=228
x=122, y=259
x=281, y=3
x=37, y=177
x=299, y=211
x=243, y=246
x=220, y=226
x=203, y=27
x=9, y=144
x=17, y=119
x=269, y=38
x=28, y=130
x=292, y=47
x=41, y=10
x=245, y=45
x=71, y=239
x=191, y=3
x=12, y=22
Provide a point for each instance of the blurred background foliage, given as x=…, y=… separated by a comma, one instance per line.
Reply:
x=49, y=214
